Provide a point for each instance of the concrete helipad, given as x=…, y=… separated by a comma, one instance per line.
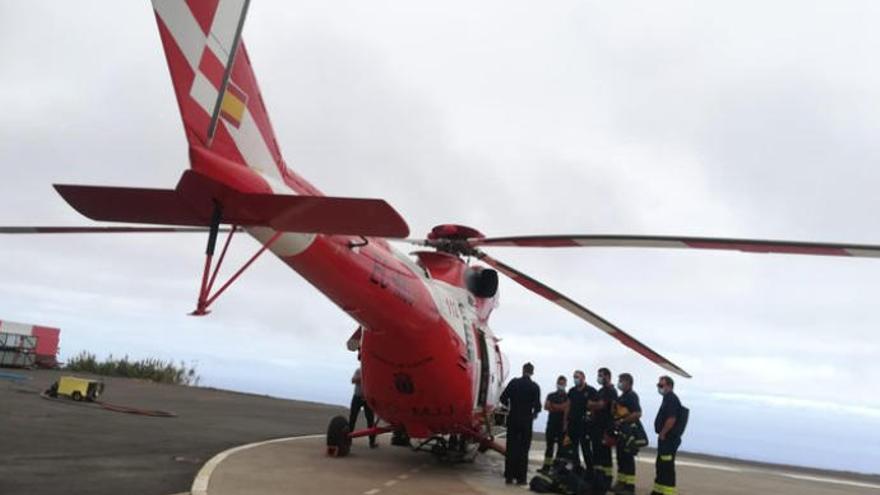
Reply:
x=298, y=465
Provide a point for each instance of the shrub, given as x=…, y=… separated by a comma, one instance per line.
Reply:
x=156, y=370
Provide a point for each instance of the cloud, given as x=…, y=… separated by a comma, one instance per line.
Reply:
x=794, y=403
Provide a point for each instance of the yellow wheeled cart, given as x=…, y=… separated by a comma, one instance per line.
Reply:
x=77, y=388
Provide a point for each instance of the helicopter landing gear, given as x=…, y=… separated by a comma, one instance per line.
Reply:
x=338, y=439
x=399, y=438
x=449, y=448
x=339, y=436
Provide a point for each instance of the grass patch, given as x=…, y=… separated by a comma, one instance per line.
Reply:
x=156, y=370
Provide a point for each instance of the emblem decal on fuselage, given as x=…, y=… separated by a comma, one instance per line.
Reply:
x=389, y=279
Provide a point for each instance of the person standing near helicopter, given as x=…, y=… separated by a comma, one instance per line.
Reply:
x=523, y=397
x=358, y=403
x=556, y=405
x=669, y=425
x=578, y=397
x=627, y=411
x=600, y=409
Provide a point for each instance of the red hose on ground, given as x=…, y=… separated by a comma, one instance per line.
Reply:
x=134, y=410
x=116, y=407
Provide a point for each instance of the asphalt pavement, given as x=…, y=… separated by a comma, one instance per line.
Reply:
x=59, y=447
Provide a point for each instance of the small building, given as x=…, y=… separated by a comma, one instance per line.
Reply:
x=26, y=345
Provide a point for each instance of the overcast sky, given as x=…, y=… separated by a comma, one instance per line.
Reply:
x=750, y=119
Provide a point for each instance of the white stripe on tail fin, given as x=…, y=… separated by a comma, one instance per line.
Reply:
x=201, y=37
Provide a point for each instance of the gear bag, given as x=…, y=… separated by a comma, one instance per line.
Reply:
x=632, y=437
x=560, y=478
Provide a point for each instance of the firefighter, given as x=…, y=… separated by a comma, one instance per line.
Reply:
x=669, y=437
x=602, y=422
x=523, y=397
x=627, y=410
x=556, y=404
x=578, y=396
x=358, y=402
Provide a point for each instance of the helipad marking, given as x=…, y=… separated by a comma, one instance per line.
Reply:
x=702, y=465
x=795, y=476
x=202, y=479
x=200, y=483
x=834, y=481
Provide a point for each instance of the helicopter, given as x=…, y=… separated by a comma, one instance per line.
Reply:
x=432, y=368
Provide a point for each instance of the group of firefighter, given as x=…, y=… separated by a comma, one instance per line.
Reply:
x=584, y=425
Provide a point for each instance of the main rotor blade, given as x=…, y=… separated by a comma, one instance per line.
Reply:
x=583, y=313
x=415, y=242
x=105, y=230
x=744, y=245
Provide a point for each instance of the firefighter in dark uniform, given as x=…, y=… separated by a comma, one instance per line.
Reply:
x=627, y=410
x=600, y=410
x=556, y=404
x=669, y=438
x=578, y=396
x=523, y=397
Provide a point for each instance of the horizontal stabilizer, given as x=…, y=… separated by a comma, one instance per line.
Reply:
x=131, y=205
x=193, y=201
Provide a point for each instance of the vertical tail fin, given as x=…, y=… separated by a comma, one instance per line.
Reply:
x=224, y=117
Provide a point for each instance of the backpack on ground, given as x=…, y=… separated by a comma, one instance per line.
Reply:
x=542, y=483
x=559, y=478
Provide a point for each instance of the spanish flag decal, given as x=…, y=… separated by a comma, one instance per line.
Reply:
x=234, y=104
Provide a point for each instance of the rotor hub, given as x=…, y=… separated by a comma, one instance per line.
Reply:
x=453, y=231
x=452, y=238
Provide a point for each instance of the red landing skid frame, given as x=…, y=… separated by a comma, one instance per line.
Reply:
x=376, y=430
x=209, y=275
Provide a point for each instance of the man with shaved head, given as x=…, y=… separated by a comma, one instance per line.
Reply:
x=523, y=397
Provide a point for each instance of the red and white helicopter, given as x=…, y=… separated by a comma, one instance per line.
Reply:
x=431, y=365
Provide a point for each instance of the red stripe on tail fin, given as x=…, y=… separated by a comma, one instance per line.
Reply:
x=198, y=38
x=203, y=11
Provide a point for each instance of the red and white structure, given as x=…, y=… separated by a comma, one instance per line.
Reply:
x=47, y=339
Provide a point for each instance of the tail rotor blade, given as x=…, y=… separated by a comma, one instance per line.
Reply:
x=583, y=313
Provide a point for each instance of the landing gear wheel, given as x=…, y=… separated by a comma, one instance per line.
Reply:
x=338, y=441
x=484, y=445
x=400, y=439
